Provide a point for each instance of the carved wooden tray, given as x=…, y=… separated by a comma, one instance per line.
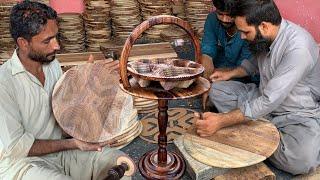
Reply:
x=169, y=72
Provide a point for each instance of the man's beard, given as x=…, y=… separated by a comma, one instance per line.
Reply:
x=260, y=44
x=42, y=58
x=227, y=25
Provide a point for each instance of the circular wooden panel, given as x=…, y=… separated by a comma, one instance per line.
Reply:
x=89, y=105
x=235, y=146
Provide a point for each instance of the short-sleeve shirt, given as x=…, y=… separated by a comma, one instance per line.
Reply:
x=25, y=114
x=225, y=54
x=289, y=76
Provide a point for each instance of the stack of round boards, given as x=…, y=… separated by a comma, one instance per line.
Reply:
x=145, y=106
x=71, y=33
x=236, y=146
x=197, y=12
x=150, y=8
x=173, y=32
x=97, y=20
x=7, y=44
x=125, y=17
x=89, y=105
x=44, y=1
x=179, y=9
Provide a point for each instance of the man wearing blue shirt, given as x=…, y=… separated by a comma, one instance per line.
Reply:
x=222, y=47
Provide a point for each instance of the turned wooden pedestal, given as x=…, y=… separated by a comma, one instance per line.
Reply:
x=161, y=164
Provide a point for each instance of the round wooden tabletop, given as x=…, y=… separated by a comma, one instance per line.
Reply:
x=155, y=91
x=235, y=146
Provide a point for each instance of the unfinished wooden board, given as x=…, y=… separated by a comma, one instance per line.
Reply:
x=235, y=146
x=200, y=171
x=89, y=105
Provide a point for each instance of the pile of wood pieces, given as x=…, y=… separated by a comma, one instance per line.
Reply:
x=173, y=32
x=197, y=12
x=47, y=2
x=150, y=8
x=71, y=32
x=125, y=17
x=178, y=9
x=7, y=44
x=97, y=23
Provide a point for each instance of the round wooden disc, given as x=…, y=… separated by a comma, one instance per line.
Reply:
x=88, y=103
x=235, y=146
x=129, y=162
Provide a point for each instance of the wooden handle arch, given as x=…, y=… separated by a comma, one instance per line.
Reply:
x=162, y=19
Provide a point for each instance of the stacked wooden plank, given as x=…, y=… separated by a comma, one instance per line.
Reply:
x=71, y=32
x=97, y=23
x=44, y=1
x=150, y=8
x=178, y=9
x=7, y=43
x=197, y=12
x=125, y=17
x=173, y=32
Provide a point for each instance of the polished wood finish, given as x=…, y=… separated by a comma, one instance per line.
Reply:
x=155, y=91
x=161, y=164
x=89, y=105
x=235, y=146
x=162, y=19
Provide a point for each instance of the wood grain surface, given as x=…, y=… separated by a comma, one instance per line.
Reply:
x=235, y=146
x=200, y=86
x=89, y=105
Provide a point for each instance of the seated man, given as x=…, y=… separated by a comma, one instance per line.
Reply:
x=287, y=58
x=222, y=46
x=31, y=144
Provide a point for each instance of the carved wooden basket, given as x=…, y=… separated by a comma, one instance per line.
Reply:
x=170, y=73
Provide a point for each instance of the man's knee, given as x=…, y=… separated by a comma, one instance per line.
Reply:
x=219, y=90
x=301, y=161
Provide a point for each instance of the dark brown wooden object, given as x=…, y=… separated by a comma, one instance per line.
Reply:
x=161, y=164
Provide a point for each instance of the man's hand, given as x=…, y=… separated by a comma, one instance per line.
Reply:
x=90, y=59
x=207, y=63
x=85, y=146
x=210, y=123
x=221, y=74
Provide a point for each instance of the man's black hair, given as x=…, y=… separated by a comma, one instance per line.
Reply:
x=224, y=5
x=257, y=11
x=28, y=18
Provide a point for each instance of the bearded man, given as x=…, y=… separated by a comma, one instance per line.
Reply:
x=222, y=47
x=31, y=143
x=287, y=58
